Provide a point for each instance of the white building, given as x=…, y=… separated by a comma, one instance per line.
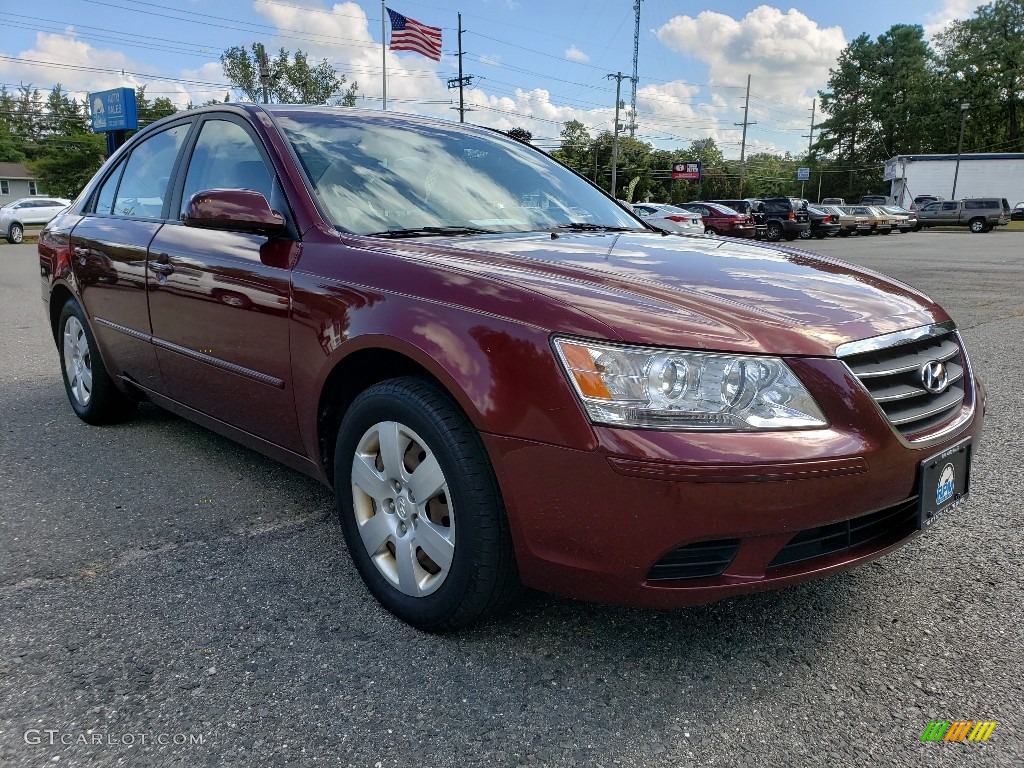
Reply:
x=981, y=175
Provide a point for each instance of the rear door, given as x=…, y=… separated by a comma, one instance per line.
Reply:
x=108, y=251
x=220, y=304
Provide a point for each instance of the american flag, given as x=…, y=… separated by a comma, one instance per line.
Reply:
x=410, y=35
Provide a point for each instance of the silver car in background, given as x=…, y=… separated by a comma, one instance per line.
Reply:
x=670, y=218
x=28, y=213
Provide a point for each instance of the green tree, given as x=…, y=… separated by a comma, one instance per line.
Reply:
x=982, y=63
x=291, y=80
x=67, y=153
x=520, y=134
x=575, y=150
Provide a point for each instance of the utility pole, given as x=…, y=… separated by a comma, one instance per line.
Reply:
x=619, y=77
x=959, y=146
x=264, y=73
x=810, y=136
x=461, y=81
x=636, y=59
x=743, y=141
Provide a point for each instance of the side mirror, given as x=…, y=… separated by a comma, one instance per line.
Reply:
x=237, y=210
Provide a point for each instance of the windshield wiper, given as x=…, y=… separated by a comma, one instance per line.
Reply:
x=586, y=226
x=431, y=231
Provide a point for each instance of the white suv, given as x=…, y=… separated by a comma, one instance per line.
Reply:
x=28, y=212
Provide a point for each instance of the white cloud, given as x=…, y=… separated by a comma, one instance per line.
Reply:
x=573, y=53
x=787, y=54
x=494, y=61
x=951, y=10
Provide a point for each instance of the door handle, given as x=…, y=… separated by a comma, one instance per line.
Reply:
x=161, y=267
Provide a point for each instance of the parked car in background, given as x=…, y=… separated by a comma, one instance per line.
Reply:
x=1017, y=214
x=28, y=213
x=785, y=217
x=875, y=200
x=978, y=214
x=822, y=225
x=833, y=201
x=496, y=392
x=670, y=218
x=751, y=207
x=849, y=223
x=906, y=221
x=723, y=220
x=887, y=223
x=920, y=200
x=878, y=222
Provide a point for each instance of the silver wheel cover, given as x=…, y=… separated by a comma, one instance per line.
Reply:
x=403, y=511
x=77, y=361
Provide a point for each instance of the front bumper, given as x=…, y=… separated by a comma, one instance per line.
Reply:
x=593, y=524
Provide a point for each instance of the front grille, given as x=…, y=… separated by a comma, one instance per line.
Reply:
x=695, y=561
x=890, y=524
x=893, y=377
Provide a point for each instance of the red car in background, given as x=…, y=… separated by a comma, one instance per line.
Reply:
x=505, y=376
x=723, y=220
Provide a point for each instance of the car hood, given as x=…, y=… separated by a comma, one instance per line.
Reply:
x=702, y=292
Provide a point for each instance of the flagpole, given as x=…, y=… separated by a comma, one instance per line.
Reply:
x=384, y=50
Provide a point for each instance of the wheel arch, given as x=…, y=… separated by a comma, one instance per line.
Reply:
x=59, y=296
x=353, y=374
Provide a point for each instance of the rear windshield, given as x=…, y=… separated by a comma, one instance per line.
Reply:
x=384, y=174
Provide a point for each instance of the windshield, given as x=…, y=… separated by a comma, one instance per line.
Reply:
x=380, y=175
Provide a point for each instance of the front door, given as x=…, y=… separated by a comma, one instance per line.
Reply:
x=220, y=303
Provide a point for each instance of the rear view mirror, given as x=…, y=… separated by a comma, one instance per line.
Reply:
x=237, y=210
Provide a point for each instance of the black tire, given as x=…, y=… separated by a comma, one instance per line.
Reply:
x=822, y=235
x=918, y=227
x=15, y=234
x=482, y=579
x=710, y=231
x=977, y=226
x=844, y=233
x=774, y=232
x=105, y=404
x=885, y=232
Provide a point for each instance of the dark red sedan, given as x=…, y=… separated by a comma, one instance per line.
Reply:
x=506, y=378
x=722, y=220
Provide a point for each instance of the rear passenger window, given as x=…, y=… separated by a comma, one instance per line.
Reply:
x=949, y=206
x=105, y=199
x=143, y=187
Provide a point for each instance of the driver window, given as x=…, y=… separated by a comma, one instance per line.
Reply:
x=144, y=184
x=225, y=157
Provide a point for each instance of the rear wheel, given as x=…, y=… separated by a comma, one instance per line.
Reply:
x=977, y=225
x=15, y=234
x=774, y=231
x=91, y=391
x=805, y=234
x=420, y=507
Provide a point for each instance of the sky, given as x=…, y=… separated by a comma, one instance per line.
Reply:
x=535, y=64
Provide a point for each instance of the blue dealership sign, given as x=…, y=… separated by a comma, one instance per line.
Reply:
x=114, y=110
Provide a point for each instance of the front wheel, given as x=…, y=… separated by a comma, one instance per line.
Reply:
x=15, y=234
x=91, y=391
x=805, y=234
x=420, y=507
x=710, y=231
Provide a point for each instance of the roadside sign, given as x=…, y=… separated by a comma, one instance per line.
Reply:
x=803, y=174
x=687, y=171
x=113, y=110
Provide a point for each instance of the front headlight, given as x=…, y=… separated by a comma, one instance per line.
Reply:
x=672, y=389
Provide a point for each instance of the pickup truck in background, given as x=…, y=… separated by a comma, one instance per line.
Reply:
x=979, y=214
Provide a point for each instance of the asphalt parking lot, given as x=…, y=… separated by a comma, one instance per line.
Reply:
x=162, y=586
